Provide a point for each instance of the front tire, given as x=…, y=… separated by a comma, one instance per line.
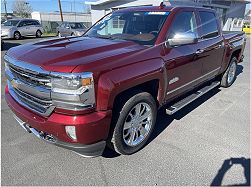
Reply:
x=59, y=35
x=229, y=76
x=135, y=123
x=17, y=35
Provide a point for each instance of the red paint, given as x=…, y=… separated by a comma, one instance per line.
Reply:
x=118, y=66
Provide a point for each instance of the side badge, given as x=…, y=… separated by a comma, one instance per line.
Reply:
x=173, y=80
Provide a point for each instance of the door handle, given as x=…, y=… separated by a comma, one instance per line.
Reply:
x=199, y=51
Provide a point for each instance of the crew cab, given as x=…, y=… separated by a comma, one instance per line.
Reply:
x=105, y=88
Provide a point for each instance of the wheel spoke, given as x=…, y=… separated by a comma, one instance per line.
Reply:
x=144, y=116
x=137, y=109
x=127, y=125
x=131, y=138
x=128, y=132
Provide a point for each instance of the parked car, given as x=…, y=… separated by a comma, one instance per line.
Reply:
x=246, y=28
x=71, y=29
x=17, y=28
x=83, y=93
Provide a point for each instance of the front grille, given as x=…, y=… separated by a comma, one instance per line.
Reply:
x=30, y=86
x=29, y=77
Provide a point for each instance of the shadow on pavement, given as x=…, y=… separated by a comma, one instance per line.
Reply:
x=164, y=120
x=226, y=166
x=6, y=46
x=239, y=69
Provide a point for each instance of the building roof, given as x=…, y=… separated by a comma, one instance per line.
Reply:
x=100, y=2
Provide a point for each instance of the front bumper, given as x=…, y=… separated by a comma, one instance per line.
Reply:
x=91, y=129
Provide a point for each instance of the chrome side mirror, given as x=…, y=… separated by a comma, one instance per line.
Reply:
x=182, y=39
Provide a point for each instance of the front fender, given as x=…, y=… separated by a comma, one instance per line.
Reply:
x=111, y=83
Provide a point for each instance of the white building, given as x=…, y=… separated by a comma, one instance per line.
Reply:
x=224, y=8
x=50, y=20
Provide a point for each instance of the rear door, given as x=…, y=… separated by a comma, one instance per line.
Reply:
x=22, y=28
x=29, y=27
x=183, y=68
x=210, y=46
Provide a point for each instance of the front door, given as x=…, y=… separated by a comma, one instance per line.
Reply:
x=183, y=68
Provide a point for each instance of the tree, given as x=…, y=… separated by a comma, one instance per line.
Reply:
x=22, y=8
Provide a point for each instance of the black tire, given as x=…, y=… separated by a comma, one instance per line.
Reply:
x=226, y=81
x=117, y=140
x=38, y=34
x=17, y=35
x=59, y=35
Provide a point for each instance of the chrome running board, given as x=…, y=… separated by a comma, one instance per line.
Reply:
x=182, y=103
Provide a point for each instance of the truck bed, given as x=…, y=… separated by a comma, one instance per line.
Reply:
x=228, y=35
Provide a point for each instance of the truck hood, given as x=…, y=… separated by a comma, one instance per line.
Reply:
x=65, y=54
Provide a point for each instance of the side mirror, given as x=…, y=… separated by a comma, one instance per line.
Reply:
x=182, y=39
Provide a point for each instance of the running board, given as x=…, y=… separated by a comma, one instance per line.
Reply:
x=182, y=103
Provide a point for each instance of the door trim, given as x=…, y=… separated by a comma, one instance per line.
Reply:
x=176, y=89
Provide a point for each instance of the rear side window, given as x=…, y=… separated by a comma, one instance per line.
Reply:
x=183, y=22
x=209, y=25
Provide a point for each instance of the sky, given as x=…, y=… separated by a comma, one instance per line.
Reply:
x=52, y=5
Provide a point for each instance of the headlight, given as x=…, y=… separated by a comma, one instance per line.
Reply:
x=73, y=91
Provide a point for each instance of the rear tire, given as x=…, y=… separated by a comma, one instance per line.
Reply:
x=38, y=34
x=229, y=76
x=17, y=35
x=135, y=123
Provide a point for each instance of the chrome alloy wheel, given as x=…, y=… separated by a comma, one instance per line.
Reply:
x=231, y=73
x=137, y=124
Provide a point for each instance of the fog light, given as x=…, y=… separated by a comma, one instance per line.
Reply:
x=71, y=132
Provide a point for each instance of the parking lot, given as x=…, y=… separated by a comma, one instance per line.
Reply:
x=206, y=143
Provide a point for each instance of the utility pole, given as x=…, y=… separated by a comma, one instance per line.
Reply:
x=60, y=9
x=5, y=8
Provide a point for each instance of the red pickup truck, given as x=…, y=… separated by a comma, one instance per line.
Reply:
x=104, y=88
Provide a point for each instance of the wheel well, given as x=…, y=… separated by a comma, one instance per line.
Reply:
x=150, y=87
x=236, y=53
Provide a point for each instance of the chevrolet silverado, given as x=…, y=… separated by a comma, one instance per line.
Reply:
x=105, y=87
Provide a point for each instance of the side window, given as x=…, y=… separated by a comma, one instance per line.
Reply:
x=21, y=24
x=28, y=23
x=209, y=25
x=183, y=22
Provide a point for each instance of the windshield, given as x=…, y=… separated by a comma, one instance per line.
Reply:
x=76, y=26
x=11, y=23
x=140, y=27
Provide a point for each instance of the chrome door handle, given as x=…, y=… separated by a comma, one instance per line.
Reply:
x=199, y=51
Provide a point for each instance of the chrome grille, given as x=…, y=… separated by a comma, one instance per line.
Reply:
x=29, y=85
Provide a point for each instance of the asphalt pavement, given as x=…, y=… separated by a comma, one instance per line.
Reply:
x=206, y=143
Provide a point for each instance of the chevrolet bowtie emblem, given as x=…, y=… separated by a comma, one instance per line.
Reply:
x=14, y=83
